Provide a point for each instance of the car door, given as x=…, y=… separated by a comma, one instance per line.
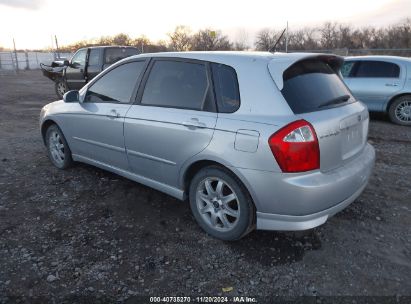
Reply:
x=75, y=72
x=374, y=82
x=96, y=127
x=172, y=120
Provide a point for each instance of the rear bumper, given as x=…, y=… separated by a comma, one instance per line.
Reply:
x=304, y=201
x=268, y=221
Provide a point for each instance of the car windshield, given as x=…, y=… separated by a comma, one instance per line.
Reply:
x=310, y=85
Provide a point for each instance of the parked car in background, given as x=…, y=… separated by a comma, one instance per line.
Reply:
x=85, y=64
x=383, y=83
x=272, y=141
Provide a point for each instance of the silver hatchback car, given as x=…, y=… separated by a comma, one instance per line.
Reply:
x=272, y=141
x=383, y=83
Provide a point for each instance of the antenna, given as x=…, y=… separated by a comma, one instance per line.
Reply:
x=278, y=40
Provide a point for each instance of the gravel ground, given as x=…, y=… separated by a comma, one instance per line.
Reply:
x=88, y=233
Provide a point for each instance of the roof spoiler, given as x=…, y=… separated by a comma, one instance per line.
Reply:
x=279, y=64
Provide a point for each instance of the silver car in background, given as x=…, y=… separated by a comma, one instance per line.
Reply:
x=252, y=140
x=383, y=83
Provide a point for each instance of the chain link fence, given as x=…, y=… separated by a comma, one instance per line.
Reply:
x=15, y=61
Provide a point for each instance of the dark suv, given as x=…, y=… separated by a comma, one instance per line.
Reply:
x=85, y=64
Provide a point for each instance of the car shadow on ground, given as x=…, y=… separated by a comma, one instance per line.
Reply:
x=271, y=248
x=268, y=248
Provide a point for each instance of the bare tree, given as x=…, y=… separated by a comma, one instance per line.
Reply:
x=267, y=38
x=209, y=40
x=180, y=38
x=121, y=39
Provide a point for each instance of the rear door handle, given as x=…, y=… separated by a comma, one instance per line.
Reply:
x=391, y=84
x=113, y=114
x=194, y=123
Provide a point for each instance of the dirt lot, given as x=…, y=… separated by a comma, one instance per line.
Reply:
x=90, y=234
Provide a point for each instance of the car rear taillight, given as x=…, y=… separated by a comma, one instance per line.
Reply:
x=295, y=147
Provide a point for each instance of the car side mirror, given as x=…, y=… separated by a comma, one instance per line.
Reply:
x=71, y=96
x=66, y=62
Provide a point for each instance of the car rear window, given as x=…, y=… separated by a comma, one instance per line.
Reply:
x=311, y=84
x=113, y=55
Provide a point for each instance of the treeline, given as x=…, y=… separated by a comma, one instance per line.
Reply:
x=328, y=36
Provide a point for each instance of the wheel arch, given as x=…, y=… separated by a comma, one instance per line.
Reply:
x=45, y=125
x=392, y=99
x=191, y=169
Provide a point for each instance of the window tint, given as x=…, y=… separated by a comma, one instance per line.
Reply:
x=378, y=69
x=176, y=84
x=79, y=58
x=94, y=57
x=347, y=68
x=113, y=55
x=226, y=88
x=117, y=85
x=310, y=84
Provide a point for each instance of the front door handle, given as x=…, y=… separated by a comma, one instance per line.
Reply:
x=391, y=84
x=113, y=114
x=194, y=123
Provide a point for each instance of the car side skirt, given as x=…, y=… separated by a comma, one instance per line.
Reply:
x=172, y=191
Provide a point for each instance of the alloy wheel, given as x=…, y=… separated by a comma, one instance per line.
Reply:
x=217, y=204
x=56, y=147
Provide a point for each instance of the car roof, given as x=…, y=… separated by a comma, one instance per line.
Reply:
x=108, y=46
x=221, y=56
x=379, y=58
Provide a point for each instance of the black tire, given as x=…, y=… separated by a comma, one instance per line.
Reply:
x=396, y=115
x=60, y=87
x=238, y=226
x=61, y=160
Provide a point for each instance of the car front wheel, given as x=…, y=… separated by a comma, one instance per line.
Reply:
x=221, y=204
x=61, y=88
x=57, y=148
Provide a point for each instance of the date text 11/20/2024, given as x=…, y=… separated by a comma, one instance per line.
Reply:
x=185, y=299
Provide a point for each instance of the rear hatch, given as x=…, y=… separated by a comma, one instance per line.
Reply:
x=312, y=87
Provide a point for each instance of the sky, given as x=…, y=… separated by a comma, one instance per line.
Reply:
x=32, y=23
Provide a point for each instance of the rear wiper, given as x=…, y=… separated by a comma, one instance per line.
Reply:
x=334, y=101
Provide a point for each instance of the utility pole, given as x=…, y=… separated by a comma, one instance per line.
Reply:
x=15, y=56
x=57, y=46
x=286, y=39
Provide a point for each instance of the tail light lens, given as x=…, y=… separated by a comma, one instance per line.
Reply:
x=295, y=147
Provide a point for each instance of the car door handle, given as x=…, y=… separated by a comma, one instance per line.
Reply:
x=194, y=123
x=391, y=84
x=113, y=114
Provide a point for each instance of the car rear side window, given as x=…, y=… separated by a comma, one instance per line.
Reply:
x=177, y=84
x=377, y=69
x=226, y=88
x=117, y=85
x=113, y=55
x=94, y=57
x=311, y=84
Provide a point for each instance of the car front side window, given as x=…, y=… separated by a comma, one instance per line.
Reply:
x=117, y=85
x=79, y=59
x=347, y=68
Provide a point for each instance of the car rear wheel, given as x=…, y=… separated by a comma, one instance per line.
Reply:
x=57, y=148
x=400, y=111
x=61, y=88
x=220, y=204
